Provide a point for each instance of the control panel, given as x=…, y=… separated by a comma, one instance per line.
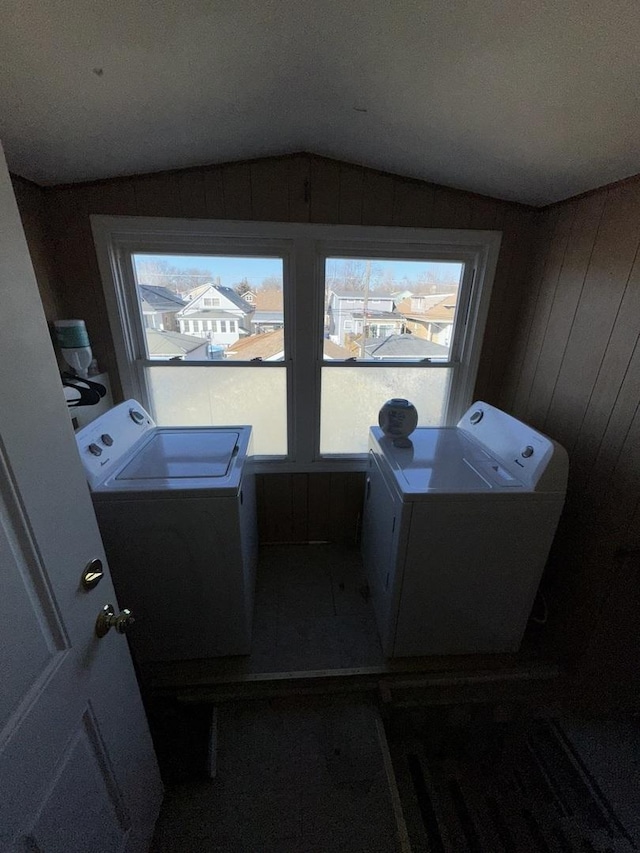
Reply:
x=104, y=444
x=525, y=453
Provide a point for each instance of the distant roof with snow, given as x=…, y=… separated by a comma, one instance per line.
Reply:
x=404, y=346
x=171, y=344
x=160, y=298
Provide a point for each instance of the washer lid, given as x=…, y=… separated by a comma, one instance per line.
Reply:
x=442, y=459
x=175, y=454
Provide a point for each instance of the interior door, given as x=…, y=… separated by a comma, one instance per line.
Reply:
x=77, y=767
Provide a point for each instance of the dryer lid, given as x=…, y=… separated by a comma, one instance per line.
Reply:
x=444, y=460
x=176, y=454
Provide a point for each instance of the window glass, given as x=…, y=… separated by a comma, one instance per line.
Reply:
x=188, y=296
x=217, y=396
x=390, y=309
x=353, y=396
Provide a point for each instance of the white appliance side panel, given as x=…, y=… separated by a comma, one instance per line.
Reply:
x=383, y=534
x=471, y=575
x=177, y=565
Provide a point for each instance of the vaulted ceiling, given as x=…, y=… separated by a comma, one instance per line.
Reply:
x=529, y=100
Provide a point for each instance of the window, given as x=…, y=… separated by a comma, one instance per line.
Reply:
x=343, y=318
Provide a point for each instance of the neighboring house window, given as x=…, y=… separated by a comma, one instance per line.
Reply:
x=223, y=326
x=232, y=325
x=211, y=302
x=315, y=403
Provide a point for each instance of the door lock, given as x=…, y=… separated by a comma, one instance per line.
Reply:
x=92, y=574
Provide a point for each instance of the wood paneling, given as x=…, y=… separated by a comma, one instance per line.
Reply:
x=236, y=185
x=270, y=190
x=310, y=507
x=214, y=193
x=507, y=298
x=574, y=372
x=377, y=199
x=157, y=195
x=324, y=180
x=299, y=188
x=413, y=204
x=193, y=195
x=350, y=197
x=31, y=203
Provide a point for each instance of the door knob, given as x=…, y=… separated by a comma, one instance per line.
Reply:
x=107, y=619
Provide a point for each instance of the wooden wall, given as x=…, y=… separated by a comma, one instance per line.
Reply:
x=310, y=507
x=574, y=372
x=296, y=188
x=32, y=202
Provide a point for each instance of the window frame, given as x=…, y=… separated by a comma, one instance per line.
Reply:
x=303, y=248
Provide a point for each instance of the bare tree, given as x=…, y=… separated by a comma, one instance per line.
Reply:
x=163, y=274
x=242, y=287
x=353, y=274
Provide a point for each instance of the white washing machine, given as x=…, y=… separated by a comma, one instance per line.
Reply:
x=177, y=512
x=456, y=532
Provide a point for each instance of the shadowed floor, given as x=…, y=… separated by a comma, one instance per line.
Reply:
x=294, y=776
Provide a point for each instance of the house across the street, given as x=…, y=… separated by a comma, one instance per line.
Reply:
x=216, y=313
x=159, y=307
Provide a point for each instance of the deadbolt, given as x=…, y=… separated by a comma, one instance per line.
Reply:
x=92, y=574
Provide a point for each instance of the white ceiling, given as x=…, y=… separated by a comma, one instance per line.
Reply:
x=531, y=100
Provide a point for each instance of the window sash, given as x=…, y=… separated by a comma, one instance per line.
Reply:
x=303, y=249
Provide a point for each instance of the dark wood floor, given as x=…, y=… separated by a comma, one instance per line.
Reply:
x=312, y=610
x=294, y=776
x=315, y=630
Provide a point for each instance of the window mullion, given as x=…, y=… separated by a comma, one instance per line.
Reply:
x=305, y=406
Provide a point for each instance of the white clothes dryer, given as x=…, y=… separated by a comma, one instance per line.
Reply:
x=176, y=508
x=457, y=529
